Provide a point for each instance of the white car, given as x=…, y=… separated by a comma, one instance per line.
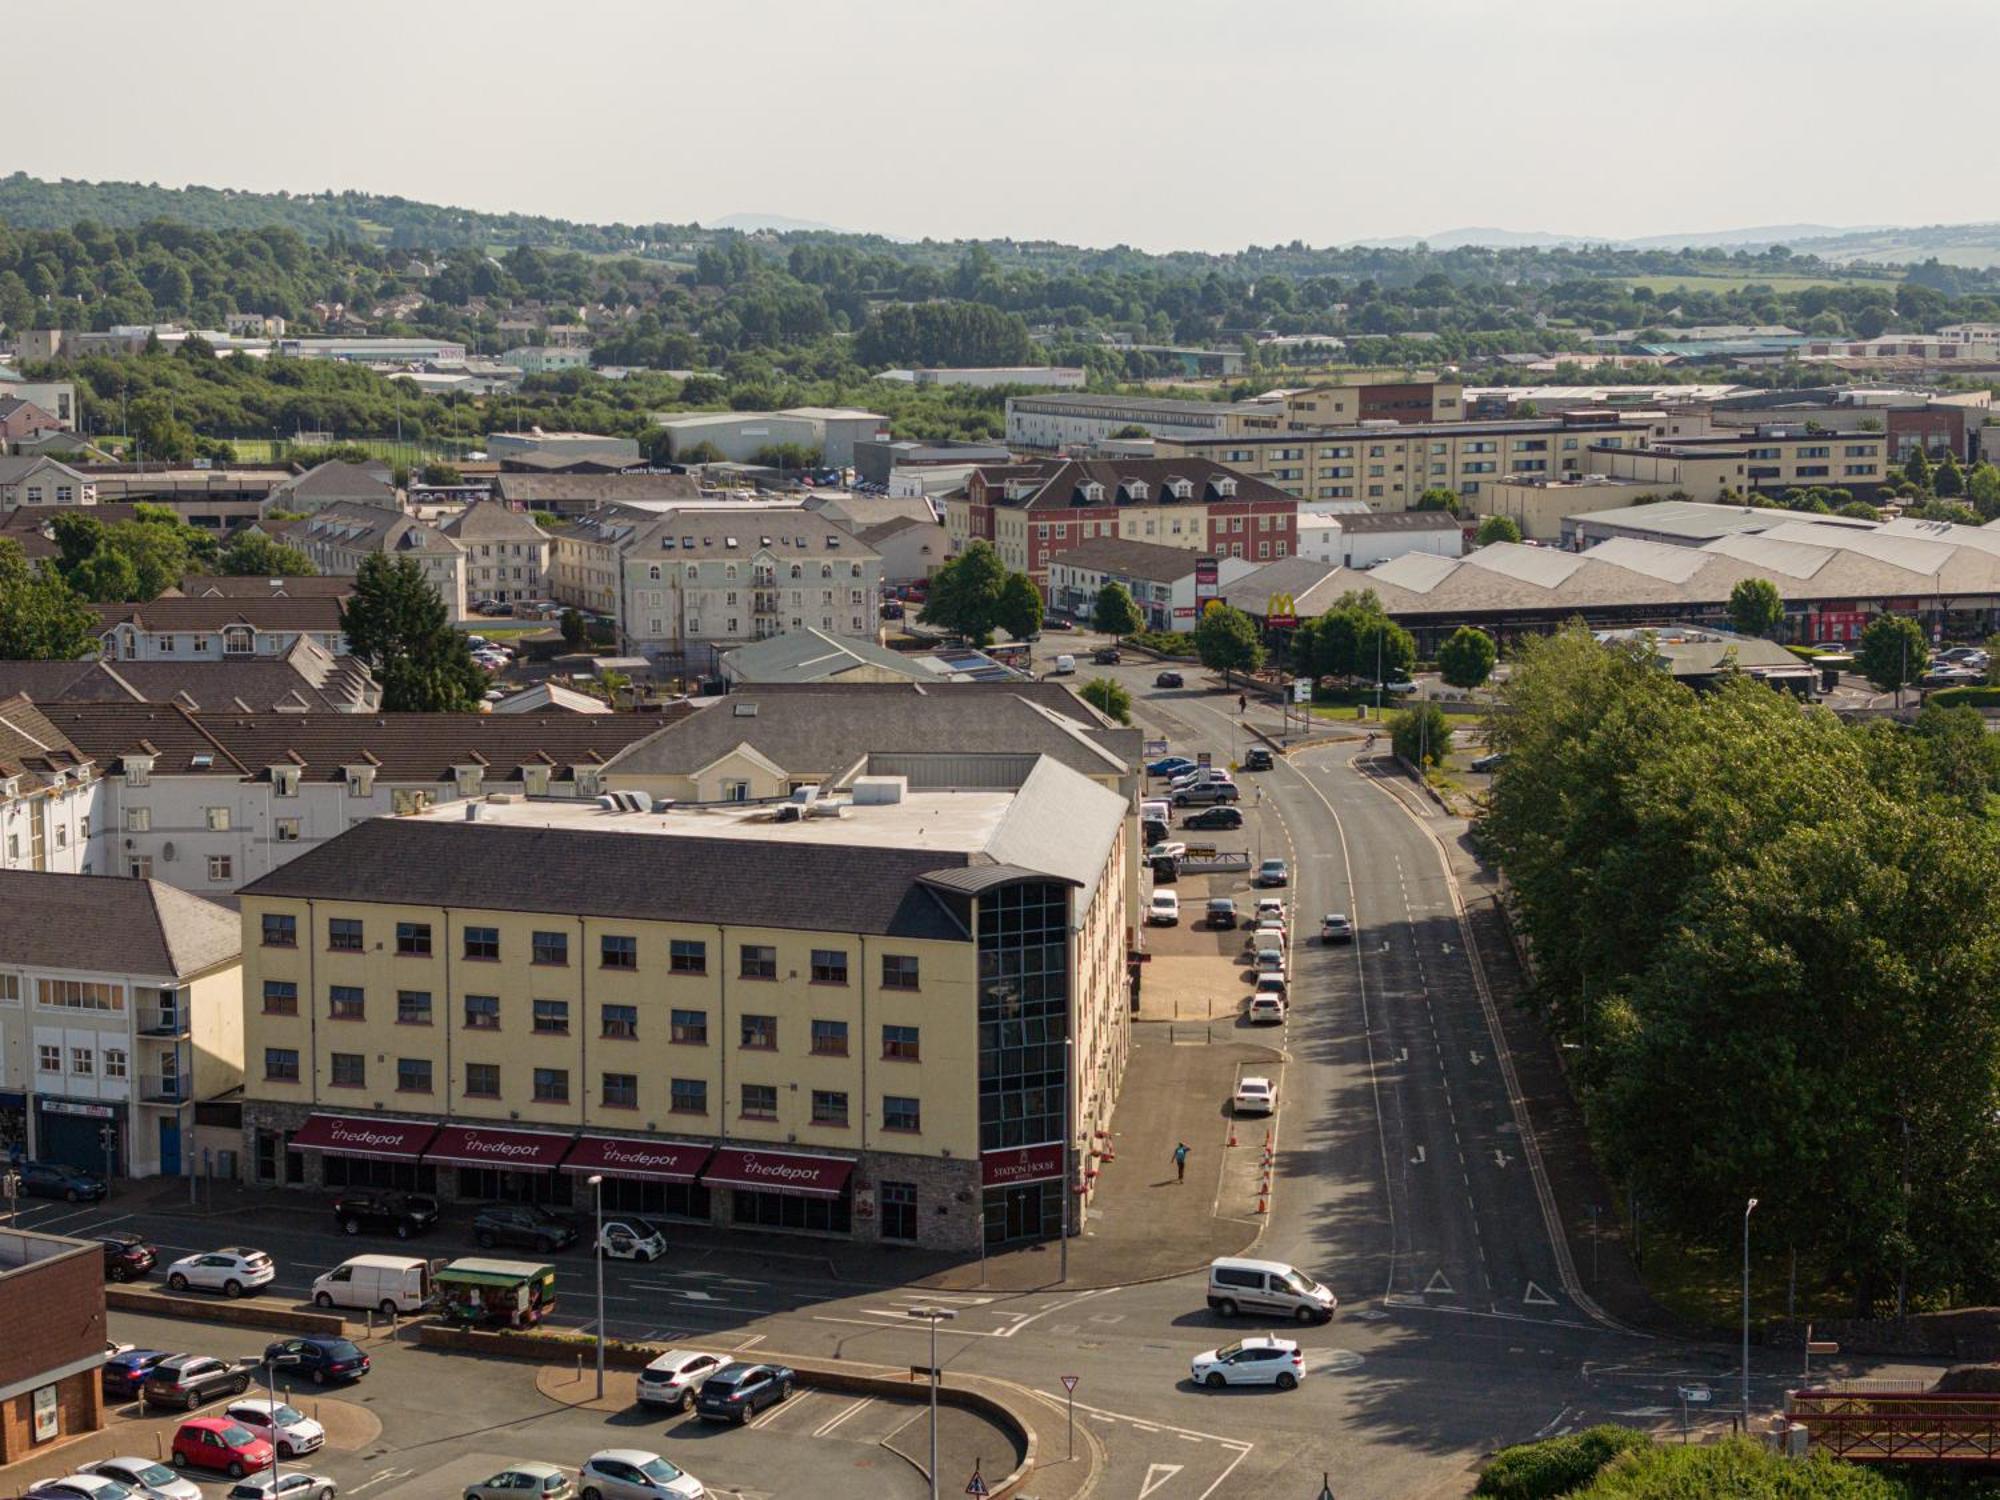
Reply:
x=269, y=1486
x=1164, y=910
x=146, y=1479
x=231, y=1271
x=79, y=1487
x=629, y=1238
x=1256, y=1096
x=634, y=1474
x=284, y=1427
x=673, y=1378
x=1167, y=849
x=1266, y=1009
x=1260, y=1361
x=1200, y=776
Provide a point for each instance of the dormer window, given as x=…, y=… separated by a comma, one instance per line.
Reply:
x=1093, y=492
x=535, y=780
x=1182, y=489
x=588, y=782
x=1225, y=486
x=139, y=770
x=469, y=779
x=360, y=781
x=1137, y=489
x=285, y=780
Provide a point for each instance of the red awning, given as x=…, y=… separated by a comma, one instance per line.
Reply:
x=486, y=1146
x=661, y=1161
x=393, y=1140
x=779, y=1172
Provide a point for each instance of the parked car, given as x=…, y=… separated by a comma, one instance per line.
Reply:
x=635, y=1474
x=1485, y=764
x=524, y=1481
x=80, y=1486
x=1164, y=910
x=526, y=1224
x=1217, y=817
x=628, y=1238
x=1253, y=1361
x=1268, y=933
x=1205, y=792
x=400, y=1214
x=283, y=1426
x=1255, y=1096
x=1167, y=849
x=738, y=1391
x=1057, y=622
x=126, y=1256
x=1270, y=961
x=55, y=1179
x=1271, y=909
x=1399, y=686
x=125, y=1372
x=1198, y=776
x=1257, y=759
x=1106, y=656
x=1939, y=677
x=1065, y=665
x=232, y=1271
x=1172, y=765
x=218, y=1443
x=319, y=1357
x=1169, y=680
x=1335, y=928
x=286, y=1486
x=1265, y=1009
x=1274, y=872
x=189, y=1380
x=1272, y=984
x=673, y=1378
x=1221, y=912
x=145, y=1478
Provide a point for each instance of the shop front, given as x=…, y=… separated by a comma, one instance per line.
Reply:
x=1021, y=1188
x=784, y=1189
x=660, y=1179
x=13, y=1125
x=81, y=1133
x=504, y=1166
x=368, y=1152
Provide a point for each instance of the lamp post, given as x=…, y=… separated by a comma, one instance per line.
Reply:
x=1748, y=1209
x=596, y=1181
x=933, y=1316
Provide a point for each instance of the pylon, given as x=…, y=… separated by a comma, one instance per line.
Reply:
x=1263, y=1202
x=1232, y=1135
x=1110, y=1152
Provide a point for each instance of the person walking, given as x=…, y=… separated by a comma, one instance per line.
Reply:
x=1242, y=703
x=1180, y=1161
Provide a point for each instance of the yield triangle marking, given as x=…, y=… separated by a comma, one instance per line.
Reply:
x=1439, y=1286
x=1157, y=1475
x=1534, y=1296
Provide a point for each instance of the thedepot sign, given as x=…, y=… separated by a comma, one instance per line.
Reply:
x=358, y=1137
x=776, y=1169
x=472, y=1143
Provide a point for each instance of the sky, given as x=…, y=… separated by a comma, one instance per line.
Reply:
x=1164, y=124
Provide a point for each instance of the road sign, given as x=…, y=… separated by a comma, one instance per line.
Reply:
x=1069, y=1382
x=976, y=1485
x=1696, y=1395
x=1155, y=749
x=1302, y=689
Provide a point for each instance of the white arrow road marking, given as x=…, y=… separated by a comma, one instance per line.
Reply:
x=1534, y=1296
x=1500, y=1158
x=1157, y=1475
x=1438, y=1286
x=381, y=1478
x=1402, y=1054
x=1476, y=1058
x=1418, y=1159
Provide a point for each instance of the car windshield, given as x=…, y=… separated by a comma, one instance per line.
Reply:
x=237, y=1436
x=154, y=1474
x=642, y=1228
x=339, y=1349
x=1301, y=1283
x=660, y=1471
x=1230, y=1351
x=287, y=1414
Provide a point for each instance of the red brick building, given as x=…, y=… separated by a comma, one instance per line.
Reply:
x=52, y=1343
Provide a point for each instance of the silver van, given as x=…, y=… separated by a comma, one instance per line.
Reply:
x=1264, y=1287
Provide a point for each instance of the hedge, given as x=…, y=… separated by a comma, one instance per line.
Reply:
x=1960, y=697
x=1540, y=1471
x=1163, y=642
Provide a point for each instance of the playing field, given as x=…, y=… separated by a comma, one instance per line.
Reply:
x=1737, y=283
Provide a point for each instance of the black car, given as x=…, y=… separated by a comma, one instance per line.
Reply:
x=525, y=1224
x=318, y=1357
x=400, y=1214
x=126, y=1256
x=1169, y=679
x=188, y=1380
x=125, y=1373
x=738, y=1391
x=1258, y=759
x=54, y=1179
x=1214, y=817
x=1106, y=656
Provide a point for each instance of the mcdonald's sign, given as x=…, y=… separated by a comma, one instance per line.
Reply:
x=1281, y=612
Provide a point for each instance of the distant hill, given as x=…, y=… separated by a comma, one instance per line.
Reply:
x=1793, y=236
x=776, y=223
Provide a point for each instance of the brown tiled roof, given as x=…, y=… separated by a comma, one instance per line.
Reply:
x=321, y=614
x=1147, y=560
x=169, y=734
x=1064, y=488
x=493, y=521
x=113, y=925
x=30, y=744
x=225, y=586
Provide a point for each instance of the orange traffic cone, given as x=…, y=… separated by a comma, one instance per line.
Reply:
x=1263, y=1203
x=1232, y=1135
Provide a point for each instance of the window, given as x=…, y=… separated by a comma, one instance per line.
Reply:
x=281, y=1064
x=829, y=1038
x=760, y=1101
x=219, y=867
x=829, y=1107
x=49, y=1058
x=899, y=971
x=551, y=948
x=114, y=1062
x=482, y=1012
x=349, y=1070
x=82, y=1061
x=760, y=1033
x=619, y=952
x=281, y=930
x=689, y=1028
x=687, y=957
x=138, y=820
x=552, y=1017
x=552, y=1085
x=79, y=994
x=413, y=1075
x=901, y=1113
x=288, y=830
x=900, y=1044
x=621, y=1091
x=482, y=942
x=689, y=1096
x=413, y=939
x=346, y=1002
x=281, y=997
x=413, y=1007
x=217, y=819
x=482, y=1080
x=343, y=934
x=759, y=962
x=829, y=966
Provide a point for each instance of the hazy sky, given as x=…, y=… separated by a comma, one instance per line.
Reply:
x=1199, y=124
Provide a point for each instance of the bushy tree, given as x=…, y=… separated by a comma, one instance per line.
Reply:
x=1225, y=640
x=1948, y=481
x=251, y=554
x=964, y=594
x=1439, y=498
x=1917, y=469
x=1496, y=529
x=1115, y=612
x=1893, y=652
x=1353, y=639
x=1466, y=658
x=1982, y=489
x=1018, y=611
x=41, y=617
x=397, y=624
x=1755, y=607
x=1421, y=734
x=1109, y=696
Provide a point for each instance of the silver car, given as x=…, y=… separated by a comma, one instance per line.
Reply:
x=634, y=1474
x=146, y=1479
x=287, y=1486
x=524, y=1481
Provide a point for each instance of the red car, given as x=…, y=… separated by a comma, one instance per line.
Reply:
x=220, y=1443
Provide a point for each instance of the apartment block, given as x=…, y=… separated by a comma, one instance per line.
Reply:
x=506, y=553
x=341, y=536
x=218, y=629
x=48, y=794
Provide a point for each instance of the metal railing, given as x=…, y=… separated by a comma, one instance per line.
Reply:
x=156, y=1088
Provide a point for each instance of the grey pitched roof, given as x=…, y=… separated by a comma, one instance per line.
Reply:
x=821, y=887
x=811, y=655
x=164, y=613
x=336, y=480
x=324, y=681
x=229, y=586
x=1147, y=560
x=112, y=924
x=1398, y=520
x=366, y=528
x=493, y=521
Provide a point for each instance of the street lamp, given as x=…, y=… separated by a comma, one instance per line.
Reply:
x=934, y=1316
x=596, y=1181
x=1748, y=1209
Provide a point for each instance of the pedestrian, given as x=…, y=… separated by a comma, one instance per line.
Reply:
x=1180, y=1161
x=1243, y=703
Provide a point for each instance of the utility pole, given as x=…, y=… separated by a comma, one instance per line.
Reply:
x=596, y=1181
x=933, y=1316
x=1748, y=1209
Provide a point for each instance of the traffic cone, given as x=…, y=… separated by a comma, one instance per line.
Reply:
x=1232, y=1135
x=1263, y=1203
x=1110, y=1152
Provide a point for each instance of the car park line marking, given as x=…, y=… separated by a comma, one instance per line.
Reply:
x=750, y=1343
x=778, y=1409
x=832, y=1422
x=384, y=1476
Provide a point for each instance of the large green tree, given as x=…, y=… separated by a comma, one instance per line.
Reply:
x=1116, y=612
x=1421, y=734
x=1110, y=696
x=1018, y=611
x=1755, y=606
x=397, y=624
x=1893, y=652
x=1225, y=639
x=1466, y=658
x=251, y=554
x=1496, y=529
x=964, y=594
x=41, y=617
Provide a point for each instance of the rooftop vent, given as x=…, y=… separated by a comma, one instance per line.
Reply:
x=880, y=791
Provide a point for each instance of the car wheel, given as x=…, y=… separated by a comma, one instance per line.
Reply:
x=484, y=1239
x=242, y=1385
x=387, y=1307
x=285, y=1451
x=119, y=1273
x=743, y=1418
x=322, y=1299
x=592, y=1493
x=402, y=1231
x=1215, y=1382
x=319, y=1377
x=1307, y=1315
x=686, y=1403
x=235, y=1469
x=232, y=1288
x=1227, y=1307
x=74, y=1196
x=181, y=1460
x=177, y=1282
x=351, y=1226
x=1287, y=1380
x=543, y=1244
x=642, y=1256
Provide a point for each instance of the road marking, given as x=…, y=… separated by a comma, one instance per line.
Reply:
x=1476, y=1058
x=832, y=1422
x=1418, y=1159
x=1500, y=1158
x=381, y=1478
x=1243, y=1454
x=750, y=1343
x=1534, y=1296
x=1157, y=1475
x=1438, y=1286
x=1644, y=1411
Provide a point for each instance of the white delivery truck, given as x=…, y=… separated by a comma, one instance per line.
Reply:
x=389, y=1283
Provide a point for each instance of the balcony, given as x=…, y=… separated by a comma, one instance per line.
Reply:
x=155, y=1088
x=161, y=1022
x=765, y=604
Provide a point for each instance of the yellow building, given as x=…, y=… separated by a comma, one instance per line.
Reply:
x=845, y=1016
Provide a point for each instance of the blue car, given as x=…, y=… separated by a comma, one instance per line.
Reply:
x=125, y=1373
x=1173, y=765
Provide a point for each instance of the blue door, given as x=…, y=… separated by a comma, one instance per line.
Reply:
x=170, y=1146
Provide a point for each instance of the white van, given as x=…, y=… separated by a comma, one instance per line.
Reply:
x=389, y=1283
x=1157, y=809
x=1065, y=665
x=1263, y=1287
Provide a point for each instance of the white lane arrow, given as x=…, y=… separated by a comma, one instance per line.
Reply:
x=1157, y=1475
x=1500, y=1158
x=1418, y=1159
